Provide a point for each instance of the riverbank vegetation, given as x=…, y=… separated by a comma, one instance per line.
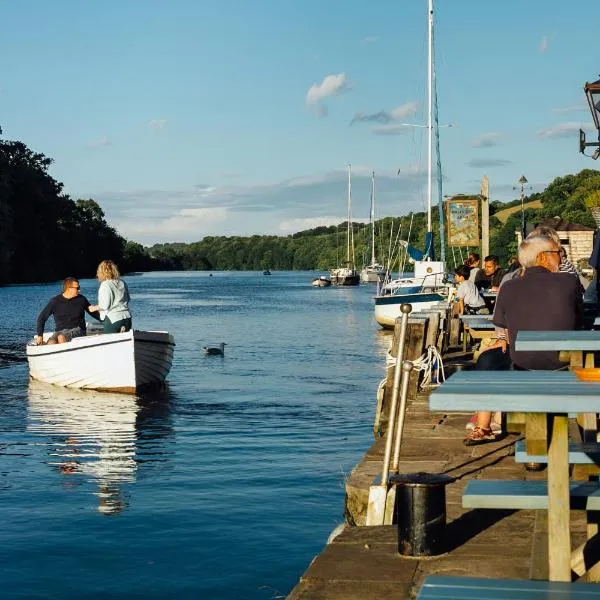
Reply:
x=45, y=234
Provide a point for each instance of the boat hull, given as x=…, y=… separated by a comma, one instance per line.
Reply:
x=117, y=362
x=321, y=282
x=345, y=277
x=387, y=308
x=372, y=274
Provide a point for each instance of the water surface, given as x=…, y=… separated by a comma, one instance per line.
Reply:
x=225, y=484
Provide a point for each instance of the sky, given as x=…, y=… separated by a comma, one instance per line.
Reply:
x=190, y=118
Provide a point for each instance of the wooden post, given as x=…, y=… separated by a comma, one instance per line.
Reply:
x=485, y=216
x=559, y=535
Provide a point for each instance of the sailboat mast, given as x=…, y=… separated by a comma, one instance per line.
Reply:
x=429, y=113
x=373, y=218
x=349, y=202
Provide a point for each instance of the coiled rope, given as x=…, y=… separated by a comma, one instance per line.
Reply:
x=430, y=363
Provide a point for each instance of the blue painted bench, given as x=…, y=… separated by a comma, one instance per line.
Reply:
x=527, y=495
x=471, y=588
x=579, y=454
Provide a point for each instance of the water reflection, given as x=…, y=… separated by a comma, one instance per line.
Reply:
x=96, y=436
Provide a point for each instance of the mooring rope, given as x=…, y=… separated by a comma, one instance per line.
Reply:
x=430, y=363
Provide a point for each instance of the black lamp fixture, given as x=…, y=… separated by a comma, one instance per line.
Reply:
x=592, y=93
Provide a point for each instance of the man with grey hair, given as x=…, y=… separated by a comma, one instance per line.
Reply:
x=541, y=299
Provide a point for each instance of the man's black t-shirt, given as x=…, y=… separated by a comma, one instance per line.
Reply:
x=68, y=313
x=538, y=301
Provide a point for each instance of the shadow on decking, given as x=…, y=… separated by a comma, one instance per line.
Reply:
x=471, y=524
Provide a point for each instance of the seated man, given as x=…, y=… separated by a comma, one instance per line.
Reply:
x=491, y=275
x=68, y=310
x=542, y=299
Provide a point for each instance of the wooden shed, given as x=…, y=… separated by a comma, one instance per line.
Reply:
x=577, y=240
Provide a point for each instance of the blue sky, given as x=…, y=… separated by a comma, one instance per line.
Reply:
x=233, y=117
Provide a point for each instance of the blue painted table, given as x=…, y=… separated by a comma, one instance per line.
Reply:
x=538, y=393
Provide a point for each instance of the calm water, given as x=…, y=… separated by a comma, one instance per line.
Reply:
x=226, y=484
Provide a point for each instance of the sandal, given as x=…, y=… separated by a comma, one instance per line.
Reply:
x=472, y=423
x=479, y=435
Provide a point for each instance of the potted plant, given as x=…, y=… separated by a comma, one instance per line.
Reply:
x=592, y=201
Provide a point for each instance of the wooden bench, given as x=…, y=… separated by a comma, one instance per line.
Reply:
x=527, y=495
x=444, y=587
x=579, y=454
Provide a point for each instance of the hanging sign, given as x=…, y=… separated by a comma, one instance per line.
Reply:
x=463, y=222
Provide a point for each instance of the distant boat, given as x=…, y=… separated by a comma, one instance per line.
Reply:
x=373, y=272
x=113, y=362
x=266, y=272
x=347, y=275
x=321, y=281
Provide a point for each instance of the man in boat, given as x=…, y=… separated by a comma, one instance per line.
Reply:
x=68, y=310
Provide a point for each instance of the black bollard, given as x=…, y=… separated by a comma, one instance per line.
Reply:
x=421, y=512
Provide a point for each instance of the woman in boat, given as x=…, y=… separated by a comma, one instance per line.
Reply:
x=113, y=298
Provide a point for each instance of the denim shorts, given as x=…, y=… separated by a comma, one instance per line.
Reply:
x=68, y=333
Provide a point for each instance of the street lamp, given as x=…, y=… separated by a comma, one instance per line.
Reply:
x=522, y=181
x=592, y=93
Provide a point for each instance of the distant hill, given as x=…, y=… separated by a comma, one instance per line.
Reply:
x=503, y=215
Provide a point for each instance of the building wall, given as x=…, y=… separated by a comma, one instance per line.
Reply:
x=578, y=244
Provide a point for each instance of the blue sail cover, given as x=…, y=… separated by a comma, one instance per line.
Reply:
x=428, y=252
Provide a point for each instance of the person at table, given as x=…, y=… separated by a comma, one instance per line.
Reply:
x=491, y=275
x=468, y=298
x=68, y=310
x=541, y=300
x=113, y=298
x=473, y=261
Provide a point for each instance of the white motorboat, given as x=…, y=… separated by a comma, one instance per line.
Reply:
x=115, y=362
x=321, y=281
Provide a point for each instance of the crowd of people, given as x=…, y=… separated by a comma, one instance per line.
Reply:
x=70, y=307
x=541, y=290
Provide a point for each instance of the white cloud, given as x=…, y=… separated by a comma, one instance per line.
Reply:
x=544, y=43
x=332, y=85
x=186, y=215
x=400, y=112
x=487, y=140
x=390, y=129
x=103, y=141
x=563, y=130
x=370, y=39
x=405, y=110
x=157, y=123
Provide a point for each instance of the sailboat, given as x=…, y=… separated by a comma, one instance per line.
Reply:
x=347, y=275
x=374, y=271
x=426, y=289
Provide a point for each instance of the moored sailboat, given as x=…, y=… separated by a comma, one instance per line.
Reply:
x=426, y=288
x=372, y=272
x=347, y=275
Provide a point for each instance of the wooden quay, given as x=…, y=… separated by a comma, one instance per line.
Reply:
x=501, y=518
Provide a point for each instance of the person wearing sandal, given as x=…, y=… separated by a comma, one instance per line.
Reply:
x=542, y=299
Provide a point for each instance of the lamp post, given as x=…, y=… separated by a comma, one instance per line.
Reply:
x=592, y=93
x=522, y=181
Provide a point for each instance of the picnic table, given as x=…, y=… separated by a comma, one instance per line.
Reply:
x=546, y=397
x=477, y=327
x=577, y=343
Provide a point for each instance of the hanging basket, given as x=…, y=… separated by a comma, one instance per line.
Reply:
x=596, y=214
